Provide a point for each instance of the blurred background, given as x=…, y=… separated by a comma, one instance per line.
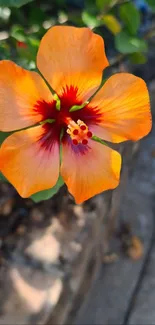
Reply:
x=126, y=26
x=94, y=263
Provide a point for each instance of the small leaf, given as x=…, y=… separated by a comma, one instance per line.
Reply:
x=128, y=44
x=47, y=121
x=112, y=24
x=90, y=20
x=58, y=102
x=105, y=4
x=78, y=107
x=130, y=16
x=18, y=33
x=14, y=3
x=101, y=4
x=47, y=194
x=95, y=138
x=138, y=58
x=33, y=45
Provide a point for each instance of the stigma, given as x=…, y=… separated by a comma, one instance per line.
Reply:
x=78, y=132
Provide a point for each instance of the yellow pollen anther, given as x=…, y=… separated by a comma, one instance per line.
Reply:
x=79, y=132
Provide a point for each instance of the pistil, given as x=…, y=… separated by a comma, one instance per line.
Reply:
x=78, y=132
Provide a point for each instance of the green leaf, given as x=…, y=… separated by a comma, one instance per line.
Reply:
x=58, y=102
x=128, y=44
x=130, y=16
x=47, y=121
x=13, y=3
x=111, y=22
x=18, y=33
x=101, y=4
x=78, y=107
x=105, y=4
x=151, y=3
x=33, y=44
x=2, y=178
x=36, y=16
x=4, y=50
x=47, y=194
x=138, y=58
x=3, y=136
x=90, y=20
x=95, y=138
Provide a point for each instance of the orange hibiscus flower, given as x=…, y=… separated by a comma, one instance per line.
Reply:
x=72, y=61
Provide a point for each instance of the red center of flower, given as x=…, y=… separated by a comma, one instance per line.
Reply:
x=74, y=124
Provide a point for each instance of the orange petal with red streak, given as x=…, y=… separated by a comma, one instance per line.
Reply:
x=72, y=57
x=124, y=108
x=29, y=167
x=89, y=171
x=20, y=89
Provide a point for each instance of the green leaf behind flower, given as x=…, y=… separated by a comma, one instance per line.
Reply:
x=127, y=44
x=3, y=136
x=14, y=3
x=47, y=194
x=130, y=16
x=95, y=138
x=138, y=58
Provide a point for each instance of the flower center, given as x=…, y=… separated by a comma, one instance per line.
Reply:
x=78, y=132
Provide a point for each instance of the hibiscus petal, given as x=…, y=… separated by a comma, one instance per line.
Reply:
x=29, y=165
x=89, y=170
x=122, y=109
x=72, y=57
x=20, y=89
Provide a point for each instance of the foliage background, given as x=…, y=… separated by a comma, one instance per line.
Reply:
x=125, y=25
